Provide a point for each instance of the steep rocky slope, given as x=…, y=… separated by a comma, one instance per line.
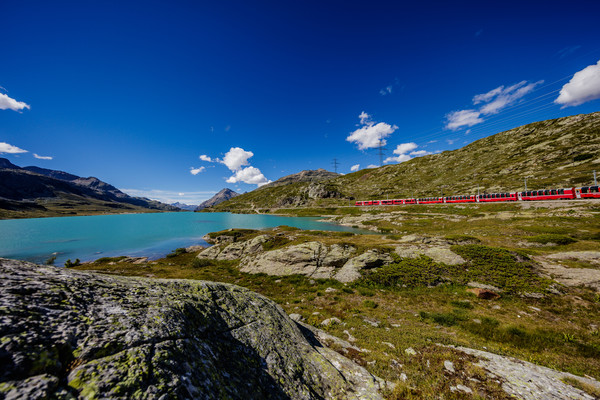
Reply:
x=66, y=333
x=554, y=153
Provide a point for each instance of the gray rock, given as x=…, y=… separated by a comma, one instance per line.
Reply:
x=369, y=259
x=484, y=286
x=449, y=365
x=66, y=333
x=331, y=321
x=436, y=253
x=528, y=381
x=211, y=252
x=311, y=259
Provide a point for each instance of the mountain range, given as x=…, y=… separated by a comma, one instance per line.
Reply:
x=561, y=152
x=34, y=191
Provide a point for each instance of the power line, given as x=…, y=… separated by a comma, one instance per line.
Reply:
x=380, y=151
x=335, y=165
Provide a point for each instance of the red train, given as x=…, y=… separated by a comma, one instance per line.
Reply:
x=585, y=192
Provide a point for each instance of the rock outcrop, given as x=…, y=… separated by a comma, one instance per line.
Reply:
x=527, y=381
x=311, y=259
x=66, y=334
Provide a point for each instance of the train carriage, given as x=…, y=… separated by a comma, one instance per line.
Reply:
x=588, y=192
x=493, y=197
x=460, y=199
x=547, y=194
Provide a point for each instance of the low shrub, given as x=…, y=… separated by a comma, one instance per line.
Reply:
x=370, y=304
x=177, y=252
x=202, y=262
x=70, y=263
x=552, y=238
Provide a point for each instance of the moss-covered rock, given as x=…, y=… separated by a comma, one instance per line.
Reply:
x=66, y=334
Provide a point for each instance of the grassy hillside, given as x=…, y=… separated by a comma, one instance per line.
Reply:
x=555, y=153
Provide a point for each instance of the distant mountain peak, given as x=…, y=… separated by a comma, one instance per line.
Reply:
x=223, y=195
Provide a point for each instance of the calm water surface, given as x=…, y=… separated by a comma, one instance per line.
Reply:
x=149, y=235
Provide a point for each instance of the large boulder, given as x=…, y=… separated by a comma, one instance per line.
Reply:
x=436, y=253
x=235, y=250
x=66, y=334
x=350, y=271
x=312, y=259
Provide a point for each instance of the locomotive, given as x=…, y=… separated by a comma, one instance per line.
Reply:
x=584, y=192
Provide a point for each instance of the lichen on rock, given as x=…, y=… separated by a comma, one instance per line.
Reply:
x=66, y=334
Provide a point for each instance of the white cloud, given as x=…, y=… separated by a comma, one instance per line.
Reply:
x=236, y=157
x=42, y=157
x=372, y=166
x=457, y=119
x=401, y=152
x=583, y=87
x=365, y=119
x=370, y=135
x=386, y=90
x=450, y=141
x=168, y=196
x=7, y=103
x=501, y=97
x=355, y=167
x=491, y=103
x=250, y=175
x=405, y=148
x=398, y=159
x=196, y=171
x=420, y=153
x=204, y=157
x=10, y=149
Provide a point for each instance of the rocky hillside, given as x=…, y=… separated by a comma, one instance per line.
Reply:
x=223, y=195
x=316, y=175
x=303, y=188
x=70, y=334
x=50, y=192
x=555, y=153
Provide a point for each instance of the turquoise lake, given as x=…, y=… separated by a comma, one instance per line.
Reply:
x=148, y=235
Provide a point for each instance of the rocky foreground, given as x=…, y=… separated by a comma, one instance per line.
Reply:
x=69, y=334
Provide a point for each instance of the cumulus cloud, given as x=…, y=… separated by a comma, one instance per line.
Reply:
x=236, y=157
x=250, y=175
x=7, y=103
x=370, y=135
x=10, y=149
x=489, y=103
x=372, y=166
x=457, y=119
x=196, y=171
x=583, y=87
x=42, y=157
x=355, y=167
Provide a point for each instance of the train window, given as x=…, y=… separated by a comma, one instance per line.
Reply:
x=561, y=191
x=584, y=190
x=553, y=191
x=546, y=192
x=594, y=189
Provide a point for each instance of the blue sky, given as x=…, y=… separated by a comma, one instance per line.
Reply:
x=135, y=93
